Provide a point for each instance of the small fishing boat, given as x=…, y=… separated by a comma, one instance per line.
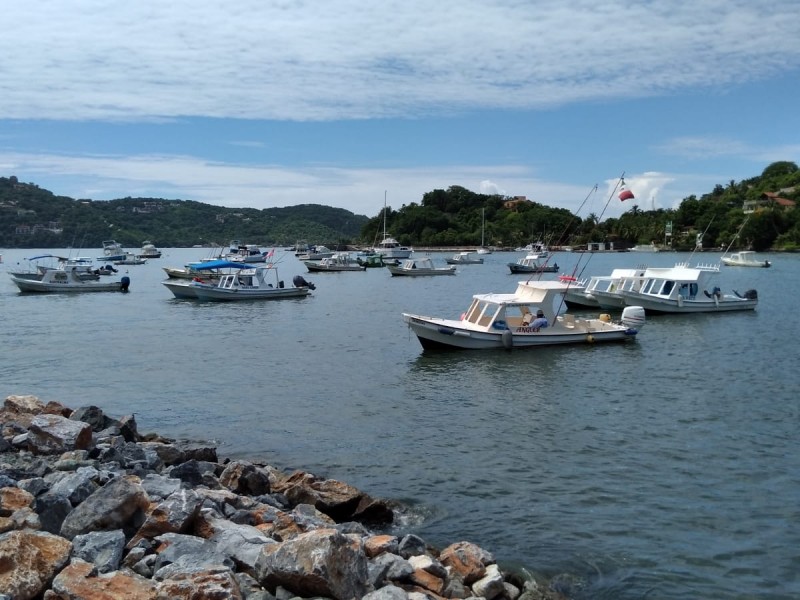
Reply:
x=745, y=258
x=464, y=258
x=528, y=317
x=255, y=283
x=532, y=263
x=149, y=250
x=340, y=261
x=419, y=267
x=66, y=276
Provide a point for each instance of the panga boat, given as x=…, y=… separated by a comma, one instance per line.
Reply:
x=508, y=321
x=532, y=263
x=684, y=289
x=745, y=258
x=415, y=267
x=340, y=261
x=260, y=283
x=242, y=281
x=68, y=276
x=464, y=258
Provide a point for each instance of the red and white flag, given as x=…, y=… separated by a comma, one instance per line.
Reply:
x=625, y=195
x=271, y=253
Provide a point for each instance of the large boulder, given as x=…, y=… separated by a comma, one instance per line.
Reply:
x=28, y=562
x=110, y=507
x=322, y=562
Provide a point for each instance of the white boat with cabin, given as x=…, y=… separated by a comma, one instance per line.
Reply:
x=532, y=263
x=256, y=283
x=340, y=261
x=149, y=250
x=745, y=258
x=684, y=289
x=464, y=258
x=419, y=267
x=64, y=276
x=590, y=294
x=509, y=321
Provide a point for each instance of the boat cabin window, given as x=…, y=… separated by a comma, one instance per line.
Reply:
x=667, y=289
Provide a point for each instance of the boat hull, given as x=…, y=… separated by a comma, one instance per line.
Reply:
x=725, y=303
x=434, y=333
x=32, y=285
x=517, y=269
x=215, y=294
x=401, y=272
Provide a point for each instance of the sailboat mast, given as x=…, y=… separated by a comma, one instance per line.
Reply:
x=384, y=214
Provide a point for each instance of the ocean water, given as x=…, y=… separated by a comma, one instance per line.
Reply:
x=664, y=468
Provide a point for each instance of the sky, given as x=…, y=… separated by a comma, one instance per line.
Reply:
x=273, y=103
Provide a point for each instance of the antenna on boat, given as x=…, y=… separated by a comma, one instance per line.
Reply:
x=735, y=237
x=700, y=238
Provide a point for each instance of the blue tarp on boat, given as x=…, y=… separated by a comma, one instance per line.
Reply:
x=221, y=264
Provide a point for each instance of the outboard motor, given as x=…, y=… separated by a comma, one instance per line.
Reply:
x=751, y=295
x=633, y=317
x=299, y=281
x=125, y=283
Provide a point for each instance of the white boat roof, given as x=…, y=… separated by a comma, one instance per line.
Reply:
x=527, y=292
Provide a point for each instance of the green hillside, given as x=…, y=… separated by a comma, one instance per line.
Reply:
x=757, y=213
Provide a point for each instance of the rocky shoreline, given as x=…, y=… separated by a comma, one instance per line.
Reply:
x=91, y=509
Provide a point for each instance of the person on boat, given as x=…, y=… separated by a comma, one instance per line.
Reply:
x=540, y=322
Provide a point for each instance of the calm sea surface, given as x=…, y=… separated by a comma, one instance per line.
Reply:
x=665, y=468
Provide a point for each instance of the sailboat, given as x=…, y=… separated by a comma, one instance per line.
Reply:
x=483, y=249
x=390, y=248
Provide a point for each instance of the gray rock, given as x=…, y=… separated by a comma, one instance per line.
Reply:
x=110, y=507
x=52, y=509
x=101, y=548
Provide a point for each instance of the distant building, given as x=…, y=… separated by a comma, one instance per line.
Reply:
x=767, y=200
x=514, y=202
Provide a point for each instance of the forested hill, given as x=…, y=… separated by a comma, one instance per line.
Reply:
x=758, y=213
x=31, y=217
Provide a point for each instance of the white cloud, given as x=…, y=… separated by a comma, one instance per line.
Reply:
x=90, y=59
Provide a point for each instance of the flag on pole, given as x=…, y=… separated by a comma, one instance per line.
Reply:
x=624, y=194
x=271, y=253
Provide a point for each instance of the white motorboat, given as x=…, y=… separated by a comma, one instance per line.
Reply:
x=246, y=253
x=129, y=258
x=590, y=294
x=66, y=276
x=419, y=267
x=464, y=258
x=112, y=251
x=256, y=283
x=210, y=272
x=651, y=247
x=509, y=321
x=684, y=289
x=537, y=248
x=532, y=263
x=340, y=261
x=149, y=250
x=389, y=248
x=745, y=258
x=316, y=253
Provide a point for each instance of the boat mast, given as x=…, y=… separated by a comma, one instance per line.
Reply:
x=384, y=214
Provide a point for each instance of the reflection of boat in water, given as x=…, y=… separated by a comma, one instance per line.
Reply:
x=745, y=258
x=526, y=318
